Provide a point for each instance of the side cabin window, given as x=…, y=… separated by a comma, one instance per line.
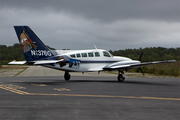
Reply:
x=90, y=54
x=106, y=54
x=78, y=55
x=84, y=54
x=97, y=54
x=73, y=55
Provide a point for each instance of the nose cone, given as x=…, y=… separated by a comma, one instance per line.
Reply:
x=118, y=58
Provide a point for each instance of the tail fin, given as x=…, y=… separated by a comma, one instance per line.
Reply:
x=32, y=47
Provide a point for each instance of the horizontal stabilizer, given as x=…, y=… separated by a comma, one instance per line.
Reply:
x=17, y=62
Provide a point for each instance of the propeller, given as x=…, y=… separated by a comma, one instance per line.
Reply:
x=140, y=56
x=140, y=61
x=141, y=70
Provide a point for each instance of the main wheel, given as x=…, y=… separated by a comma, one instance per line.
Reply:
x=120, y=78
x=67, y=76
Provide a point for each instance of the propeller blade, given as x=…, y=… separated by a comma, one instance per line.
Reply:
x=141, y=70
x=140, y=56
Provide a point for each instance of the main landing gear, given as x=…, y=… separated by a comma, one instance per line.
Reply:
x=121, y=77
x=67, y=76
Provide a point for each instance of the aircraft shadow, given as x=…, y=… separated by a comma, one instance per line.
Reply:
x=125, y=82
x=55, y=82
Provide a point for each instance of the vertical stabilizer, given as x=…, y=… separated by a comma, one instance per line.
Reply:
x=32, y=47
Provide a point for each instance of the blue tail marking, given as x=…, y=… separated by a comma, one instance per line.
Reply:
x=32, y=47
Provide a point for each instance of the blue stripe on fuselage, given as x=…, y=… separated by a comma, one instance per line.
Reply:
x=95, y=61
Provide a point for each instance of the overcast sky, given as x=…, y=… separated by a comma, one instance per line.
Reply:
x=79, y=24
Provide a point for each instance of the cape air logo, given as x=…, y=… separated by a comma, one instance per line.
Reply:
x=26, y=43
x=74, y=63
x=41, y=53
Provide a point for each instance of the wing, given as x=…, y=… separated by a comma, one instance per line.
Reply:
x=131, y=64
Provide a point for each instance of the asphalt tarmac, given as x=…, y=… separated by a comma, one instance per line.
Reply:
x=89, y=97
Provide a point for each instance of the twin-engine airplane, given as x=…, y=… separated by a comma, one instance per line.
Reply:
x=37, y=53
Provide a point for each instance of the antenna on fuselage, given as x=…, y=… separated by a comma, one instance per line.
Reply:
x=95, y=46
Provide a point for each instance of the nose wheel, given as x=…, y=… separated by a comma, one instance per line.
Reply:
x=121, y=77
x=67, y=76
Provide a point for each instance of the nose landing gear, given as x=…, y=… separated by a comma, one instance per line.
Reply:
x=121, y=77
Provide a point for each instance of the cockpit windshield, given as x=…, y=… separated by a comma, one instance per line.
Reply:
x=106, y=54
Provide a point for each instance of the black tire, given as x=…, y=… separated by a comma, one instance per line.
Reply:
x=120, y=78
x=67, y=76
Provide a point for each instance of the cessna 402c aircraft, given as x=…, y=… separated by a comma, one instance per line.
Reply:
x=37, y=53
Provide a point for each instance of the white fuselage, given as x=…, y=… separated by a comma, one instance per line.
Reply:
x=89, y=60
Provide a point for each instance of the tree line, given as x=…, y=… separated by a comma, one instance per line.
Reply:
x=150, y=54
x=9, y=53
x=14, y=52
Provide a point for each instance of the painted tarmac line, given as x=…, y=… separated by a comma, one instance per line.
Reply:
x=14, y=90
x=107, y=96
x=81, y=95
